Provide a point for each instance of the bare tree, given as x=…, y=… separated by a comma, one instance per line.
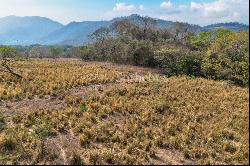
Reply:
x=101, y=34
x=141, y=31
x=39, y=52
x=182, y=33
x=8, y=56
x=124, y=27
x=180, y=30
x=148, y=24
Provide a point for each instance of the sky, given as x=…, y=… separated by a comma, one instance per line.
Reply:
x=202, y=12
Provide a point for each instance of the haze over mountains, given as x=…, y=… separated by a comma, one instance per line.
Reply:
x=25, y=30
x=40, y=30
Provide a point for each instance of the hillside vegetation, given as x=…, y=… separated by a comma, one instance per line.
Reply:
x=74, y=112
x=218, y=54
x=24, y=31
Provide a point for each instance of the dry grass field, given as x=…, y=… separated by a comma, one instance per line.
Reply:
x=74, y=112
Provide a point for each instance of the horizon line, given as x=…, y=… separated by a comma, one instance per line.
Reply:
x=120, y=17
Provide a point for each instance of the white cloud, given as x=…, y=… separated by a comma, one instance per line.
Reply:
x=123, y=7
x=204, y=13
x=166, y=5
x=183, y=7
x=141, y=7
x=195, y=12
x=195, y=6
x=120, y=9
x=236, y=15
x=218, y=8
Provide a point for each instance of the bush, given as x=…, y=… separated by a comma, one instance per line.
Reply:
x=84, y=52
x=191, y=64
x=2, y=122
x=169, y=59
x=143, y=55
x=119, y=50
x=228, y=59
x=8, y=143
x=203, y=40
x=76, y=159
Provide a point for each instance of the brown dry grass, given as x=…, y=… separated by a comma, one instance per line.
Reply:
x=116, y=115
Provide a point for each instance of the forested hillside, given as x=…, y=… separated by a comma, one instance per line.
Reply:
x=37, y=30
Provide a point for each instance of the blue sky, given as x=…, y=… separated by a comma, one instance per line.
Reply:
x=202, y=12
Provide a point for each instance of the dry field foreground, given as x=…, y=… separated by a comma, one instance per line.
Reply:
x=73, y=112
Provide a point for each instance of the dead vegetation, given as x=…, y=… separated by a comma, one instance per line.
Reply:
x=94, y=113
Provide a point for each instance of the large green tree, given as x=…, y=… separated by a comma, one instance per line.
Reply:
x=228, y=58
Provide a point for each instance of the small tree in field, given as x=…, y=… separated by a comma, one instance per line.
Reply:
x=8, y=55
x=55, y=52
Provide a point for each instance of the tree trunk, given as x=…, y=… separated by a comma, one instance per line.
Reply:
x=11, y=71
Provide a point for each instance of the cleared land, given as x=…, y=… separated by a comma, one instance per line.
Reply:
x=73, y=112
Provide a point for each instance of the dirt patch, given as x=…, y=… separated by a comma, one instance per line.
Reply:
x=168, y=157
x=26, y=106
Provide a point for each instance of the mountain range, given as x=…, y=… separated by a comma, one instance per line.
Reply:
x=30, y=30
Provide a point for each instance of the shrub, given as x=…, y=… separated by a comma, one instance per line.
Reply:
x=43, y=129
x=203, y=40
x=8, y=143
x=143, y=54
x=191, y=64
x=228, y=59
x=83, y=108
x=84, y=140
x=169, y=59
x=2, y=122
x=84, y=52
x=76, y=159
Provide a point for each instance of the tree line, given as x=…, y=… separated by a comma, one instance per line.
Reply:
x=219, y=54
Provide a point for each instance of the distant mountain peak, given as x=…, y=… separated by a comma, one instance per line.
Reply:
x=234, y=26
x=15, y=30
x=27, y=30
x=227, y=23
